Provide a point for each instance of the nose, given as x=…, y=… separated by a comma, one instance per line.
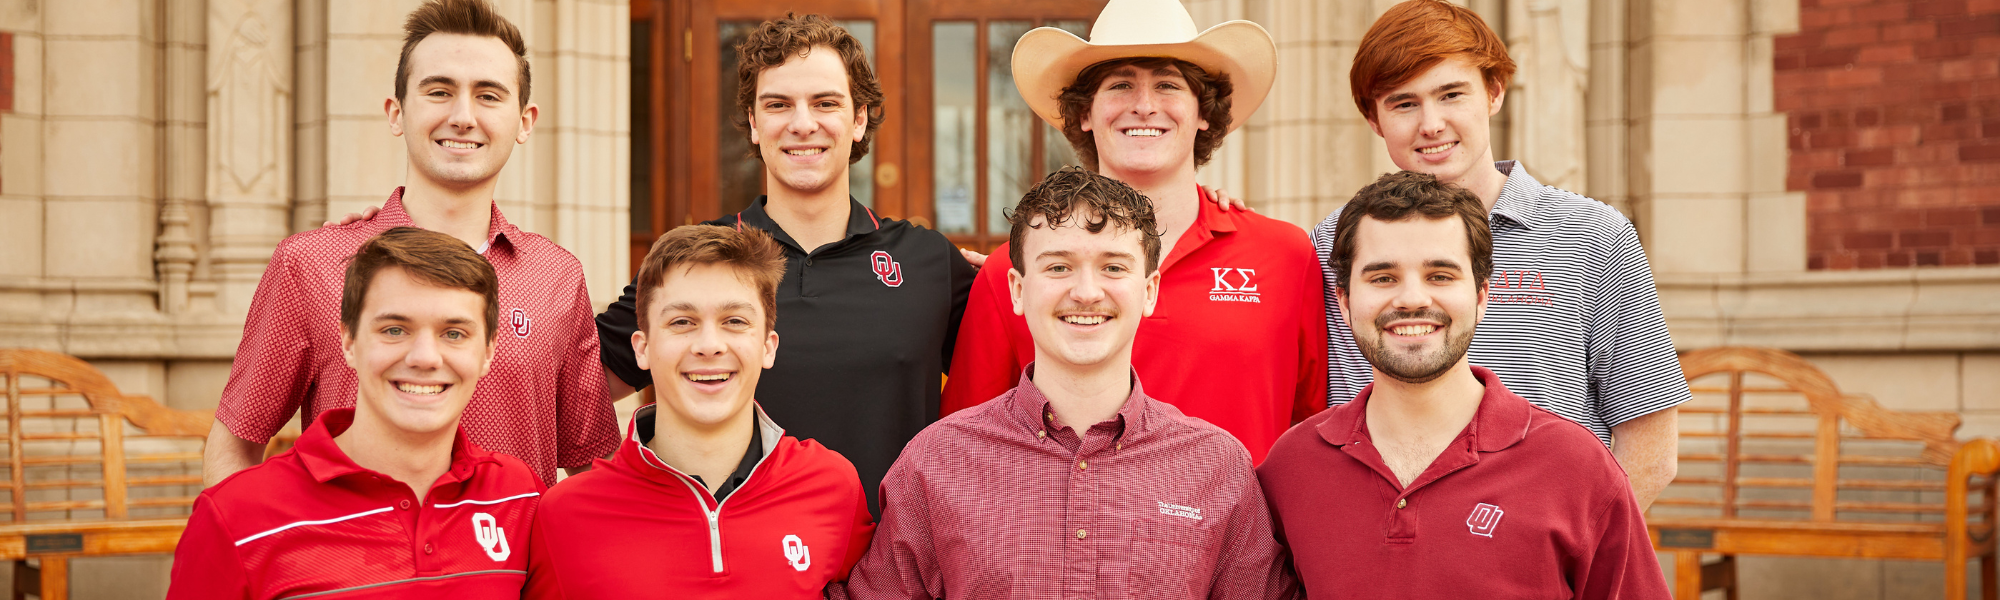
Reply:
x=802, y=123
x=1432, y=124
x=423, y=354
x=1087, y=288
x=1147, y=103
x=1411, y=295
x=708, y=341
x=461, y=113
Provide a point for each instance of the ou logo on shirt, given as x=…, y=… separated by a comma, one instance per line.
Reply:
x=797, y=554
x=886, y=268
x=491, y=538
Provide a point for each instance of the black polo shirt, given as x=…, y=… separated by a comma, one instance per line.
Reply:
x=865, y=329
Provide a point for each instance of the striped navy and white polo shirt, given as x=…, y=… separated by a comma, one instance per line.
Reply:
x=1572, y=323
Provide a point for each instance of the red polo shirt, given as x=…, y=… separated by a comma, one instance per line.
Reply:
x=544, y=401
x=1237, y=338
x=311, y=522
x=1522, y=504
x=636, y=527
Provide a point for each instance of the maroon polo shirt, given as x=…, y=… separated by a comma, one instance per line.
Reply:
x=1522, y=504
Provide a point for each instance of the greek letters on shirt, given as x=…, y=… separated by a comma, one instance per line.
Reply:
x=1234, y=285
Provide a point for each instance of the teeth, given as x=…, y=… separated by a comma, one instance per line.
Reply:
x=1144, y=132
x=1083, y=320
x=1437, y=149
x=459, y=145
x=420, y=389
x=1414, y=329
x=705, y=378
x=810, y=152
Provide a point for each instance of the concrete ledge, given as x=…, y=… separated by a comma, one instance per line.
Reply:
x=1938, y=309
x=135, y=339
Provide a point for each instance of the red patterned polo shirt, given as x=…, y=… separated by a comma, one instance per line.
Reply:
x=543, y=402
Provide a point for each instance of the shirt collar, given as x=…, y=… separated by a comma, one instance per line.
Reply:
x=1032, y=411
x=640, y=431
x=1501, y=421
x=860, y=220
x=1214, y=218
x=393, y=214
x=1518, y=195
x=325, y=461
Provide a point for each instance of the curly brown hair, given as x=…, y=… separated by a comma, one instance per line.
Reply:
x=1212, y=89
x=1408, y=194
x=774, y=42
x=1102, y=200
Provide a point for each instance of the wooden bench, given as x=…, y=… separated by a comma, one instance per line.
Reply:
x=1775, y=460
x=91, y=471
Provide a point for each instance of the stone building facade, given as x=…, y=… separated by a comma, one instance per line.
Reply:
x=152, y=152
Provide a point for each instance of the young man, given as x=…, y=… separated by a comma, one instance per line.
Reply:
x=871, y=304
x=1238, y=339
x=1075, y=483
x=707, y=491
x=460, y=104
x=1575, y=323
x=387, y=498
x=1435, y=481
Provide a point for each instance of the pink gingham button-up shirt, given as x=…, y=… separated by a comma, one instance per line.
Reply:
x=1003, y=501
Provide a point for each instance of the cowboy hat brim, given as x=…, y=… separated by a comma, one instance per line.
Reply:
x=1048, y=59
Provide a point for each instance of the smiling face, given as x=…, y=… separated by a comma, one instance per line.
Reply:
x=1144, y=120
x=1412, y=299
x=1437, y=122
x=1083, y=293
x=461, y=116
x=804, y=122
x=706, y=345
x=418, y=350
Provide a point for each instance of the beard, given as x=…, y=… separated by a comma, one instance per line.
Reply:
x=1415, y=366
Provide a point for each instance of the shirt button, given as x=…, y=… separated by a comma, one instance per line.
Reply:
x=1079, y=534
x=1402, y=502
x=1082, y=465
x=427, y=548
x=1041, y=434
x=404, y=505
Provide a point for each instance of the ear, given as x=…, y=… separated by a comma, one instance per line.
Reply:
x=639, y=350
x=1374, y=126
x=492, y=349
x=1014, y=289
x=528, y=116
x=1499, y=98
x=771, y=349
x=860, y=121
x=347, y=348
x=1152, y=292
x=752, y=116
x=1346, y=313
x=394, y=109
x=1484, y=288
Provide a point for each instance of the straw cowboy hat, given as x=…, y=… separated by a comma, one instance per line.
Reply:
x=1048, y=59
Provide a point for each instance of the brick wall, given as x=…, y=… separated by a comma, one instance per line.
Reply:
x=1894, y=115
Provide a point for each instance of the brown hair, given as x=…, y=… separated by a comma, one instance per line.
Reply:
x=1212, y=91
x=466, y=17
x=1416, y=35
x=427, y=256
x=1103, y=200
x=1407, y=194
x=750, y=251
x=775, y=42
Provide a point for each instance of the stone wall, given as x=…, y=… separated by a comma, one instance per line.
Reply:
x=1894, y=116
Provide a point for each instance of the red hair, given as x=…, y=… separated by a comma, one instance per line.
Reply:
x=1416, y=35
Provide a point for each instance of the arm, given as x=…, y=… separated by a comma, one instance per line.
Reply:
x=205, y=562
x=544, y=580
x=1309, y=396
x=901, y=561
x=1622, y=563
x=859, y=533
x=615, y=327
x=1253, y=565
x=1649, y=449
x=983, y=365
x=586, y=425
x=963, y=274
x=224, y=454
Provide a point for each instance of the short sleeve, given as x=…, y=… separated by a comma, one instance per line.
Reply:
x=584, y=418
x=206, y=566
x=963, y=275
x=1633, y=369
x=615, y=327
x=273, y=371
x=1622, y=563
x=544, y=578
x=984, y=364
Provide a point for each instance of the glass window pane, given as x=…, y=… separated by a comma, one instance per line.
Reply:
x=861, y=176
x=955, y=89
x=1056, y=152
x=741, y=176
x=1010, y=127
x=642, y=126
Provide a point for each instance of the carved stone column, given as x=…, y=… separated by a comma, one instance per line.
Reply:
x=177, y=251
x=1550, y=43
x=249, y=139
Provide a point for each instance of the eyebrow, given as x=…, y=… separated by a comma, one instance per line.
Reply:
x=1435, y=263
x=825, y=94
x=1394, y=98
x=483, y=83
x=1068, y=254
x=690, y=307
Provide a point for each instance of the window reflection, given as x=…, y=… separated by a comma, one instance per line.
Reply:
x=955, y=102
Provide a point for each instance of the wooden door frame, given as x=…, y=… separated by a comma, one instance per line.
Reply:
x=922, y=128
